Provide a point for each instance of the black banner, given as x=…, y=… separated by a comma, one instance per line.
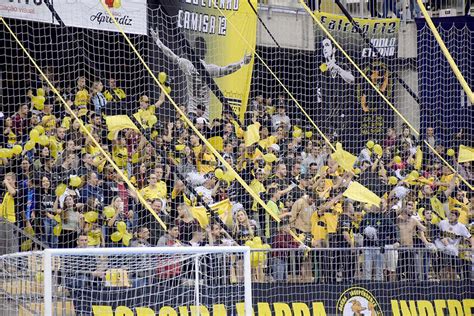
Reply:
x=369, y=298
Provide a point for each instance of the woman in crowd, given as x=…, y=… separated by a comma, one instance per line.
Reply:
x=48, y=212
x=244, y=228
x=72, y=222
x=186, y=223
x=120, y=215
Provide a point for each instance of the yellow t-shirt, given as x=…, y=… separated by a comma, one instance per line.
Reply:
x=267, y=142
x=455, y=204
x=116, y=93
x=94, y=237
x=331, y=220
x=11, y=138
x=197, y=150
x=91, y=149
x=445, y=179
x=7, y=208
x=56, y=146
x=143, y=116
x=207, y=163
x=100, y=162
x=318, y=227
x=80, y=101
x=159, y=192
x=324, y=193
x=258, y=188
x=66, y=123
x=120, y=156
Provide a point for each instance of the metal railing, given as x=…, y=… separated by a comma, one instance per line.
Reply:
x=384, y=264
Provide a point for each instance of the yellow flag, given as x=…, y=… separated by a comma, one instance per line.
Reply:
x=358, y=192
x=437, y=207
x=117, y=123
x=224, y=210
x=238, y=130
x=217, y=142
x=344, y=158
x=418, y=158
x=200, y=214
x=465, y=154
x=252, y=134
x=189, y=201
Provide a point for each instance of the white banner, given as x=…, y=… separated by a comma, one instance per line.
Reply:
x=130, y=14
x=32, y=10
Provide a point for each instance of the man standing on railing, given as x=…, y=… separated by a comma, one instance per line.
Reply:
x=407, y=227
x=300, y=221
x=379, y=231
x=426, y=238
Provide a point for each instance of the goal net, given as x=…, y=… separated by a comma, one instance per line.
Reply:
x=128, y=281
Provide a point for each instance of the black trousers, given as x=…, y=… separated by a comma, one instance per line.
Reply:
x=406, y=264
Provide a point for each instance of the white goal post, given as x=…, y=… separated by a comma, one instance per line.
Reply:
x=192, y=254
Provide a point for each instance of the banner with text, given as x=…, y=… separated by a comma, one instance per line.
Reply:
x=27, y=10
x=130, y=14
x=214, y=30
x=346, y=100
x=374, y=299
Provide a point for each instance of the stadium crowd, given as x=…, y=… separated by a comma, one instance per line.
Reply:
x=59, y=187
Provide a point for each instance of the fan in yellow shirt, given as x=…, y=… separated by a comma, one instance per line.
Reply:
x=146, y=112
x=81, y=101
x=461, y=204
x=155, y=190
x=114, y=93
x=206, y=162
x=7, y=208
x=57, y=142
x=8, y=131
x=319, y=230
x=49, y=120
x=257, y=186
x=120, y=152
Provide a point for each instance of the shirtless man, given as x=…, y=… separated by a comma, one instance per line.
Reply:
x=407, y=226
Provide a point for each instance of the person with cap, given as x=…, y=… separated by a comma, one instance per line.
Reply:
x=146, y=111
